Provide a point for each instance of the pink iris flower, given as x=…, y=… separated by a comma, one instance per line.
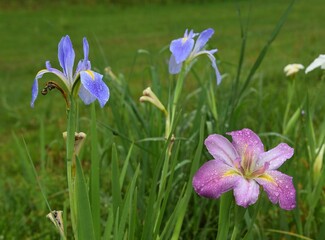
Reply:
x=244, y=166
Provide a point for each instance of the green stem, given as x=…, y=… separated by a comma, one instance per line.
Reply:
x=177, y=93
x=71, y=128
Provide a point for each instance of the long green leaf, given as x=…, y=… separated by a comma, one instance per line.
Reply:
x=85, y=228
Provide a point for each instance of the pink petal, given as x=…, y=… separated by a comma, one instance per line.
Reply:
x=214, y=178
x=246, y=192
x=220, y=148
x=247, y=143
x=276, y=156
x=279, y=188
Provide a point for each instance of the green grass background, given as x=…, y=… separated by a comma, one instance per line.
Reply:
x=30, y=34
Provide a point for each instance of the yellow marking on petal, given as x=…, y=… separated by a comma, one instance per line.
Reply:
x=91, y=73
x=184, y=39
x=230, y=173
x=268, y=178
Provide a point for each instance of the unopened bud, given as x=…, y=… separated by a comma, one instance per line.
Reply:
x=150, y=96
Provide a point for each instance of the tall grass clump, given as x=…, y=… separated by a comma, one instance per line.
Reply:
x=138, y=168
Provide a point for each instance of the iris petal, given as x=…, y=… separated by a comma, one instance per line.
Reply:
x=246, y=192
x=318, y=62
x=181, y=48
x=92, y=81
x=214, y=64
x=86, y=96
x=66, y=57
x=279, y=188
x=220, y=148
x=174, y=68
x=35, y=85
x=203, y=39
x=247, y=143
x=276, y=156
x=214, y=178
x=59, y=74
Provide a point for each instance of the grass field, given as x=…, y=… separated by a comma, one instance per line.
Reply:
x=30, y=37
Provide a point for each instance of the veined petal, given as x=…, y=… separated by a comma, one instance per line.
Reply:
x=318, y=62
x=85, y=95
x=220, y=148
x=276, y=156
x=247, y=143
x=181, y=48
x=214, y=178
x=246, y=192
x=174, y=68
x=66, y=57
x=92, y=81
x=279, y=188
x=203, y=39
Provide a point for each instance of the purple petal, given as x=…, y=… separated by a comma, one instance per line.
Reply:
x=174, y=68
x=220, y=148
x=203, y=39
x=66, y=57
x=35, y=86
x=247, y=143
x=86, y=96
x=214, y=178
x=86, y=48
x=246, y=192
x=279, y=188
x=181, y=48
x=276, y=156
x=92, y=81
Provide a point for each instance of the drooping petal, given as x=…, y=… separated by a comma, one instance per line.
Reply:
x=318, y=62
x=214, y=178
x=279, y=188
x=246, y=192
x=181, y=48
x=276, y=156
x=220, y=148
x=213, y=63
x=174, y=68
x=247, y=143
x=92, y=81
x=66, y=57
x=35, y=83
x=202, y=39
x=86, y=96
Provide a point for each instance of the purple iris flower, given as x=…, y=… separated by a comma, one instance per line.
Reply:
x=92, y=86
x=242, y=166
x=185, y=49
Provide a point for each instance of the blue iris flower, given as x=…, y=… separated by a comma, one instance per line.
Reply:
x=92, y=86
x=185, y=49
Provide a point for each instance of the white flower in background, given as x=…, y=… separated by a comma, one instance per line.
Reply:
x=292, y=69
x=318, y=62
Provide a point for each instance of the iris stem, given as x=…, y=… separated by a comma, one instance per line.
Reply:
x=71, y=129
x=174, y=104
